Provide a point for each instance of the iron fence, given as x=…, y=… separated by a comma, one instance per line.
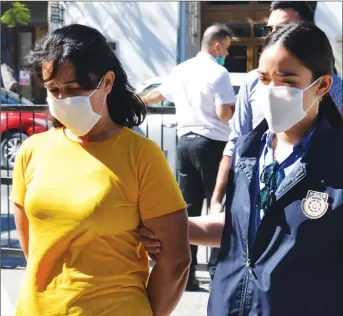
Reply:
x=19, y=122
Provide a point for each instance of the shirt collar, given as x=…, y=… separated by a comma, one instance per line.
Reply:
x=268, y=137
x=206, y=56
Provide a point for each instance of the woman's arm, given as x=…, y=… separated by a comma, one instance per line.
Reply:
x=206, y=230
x=22, y=225
x=169, y=276
x=203, y=231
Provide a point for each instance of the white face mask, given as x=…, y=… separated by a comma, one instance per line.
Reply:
x=283, y=106
x=75, y=113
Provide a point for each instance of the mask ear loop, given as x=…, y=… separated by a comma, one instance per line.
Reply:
x=315, y=99
x=97, y=87
x=100, y=82
x=311, y=85
x=103, y=105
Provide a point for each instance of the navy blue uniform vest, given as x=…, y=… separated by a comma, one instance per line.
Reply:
x=295, y=266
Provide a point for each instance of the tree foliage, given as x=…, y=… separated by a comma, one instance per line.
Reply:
x=18, y=14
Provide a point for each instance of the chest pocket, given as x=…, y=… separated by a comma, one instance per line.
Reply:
x=287, y=220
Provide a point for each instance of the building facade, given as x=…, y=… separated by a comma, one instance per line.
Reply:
x=150, y=38
x=144, y=35
x=17, y=42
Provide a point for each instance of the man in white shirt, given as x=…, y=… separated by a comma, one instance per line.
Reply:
x=248, y=112
x=204, y=100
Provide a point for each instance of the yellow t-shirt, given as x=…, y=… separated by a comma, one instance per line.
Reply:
x=84, y=204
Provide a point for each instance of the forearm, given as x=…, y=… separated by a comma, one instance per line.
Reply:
x=227, y=116
x=166, y=286
x=225, y=112
x=206, y=230
x=152, y=97
x=221, y=182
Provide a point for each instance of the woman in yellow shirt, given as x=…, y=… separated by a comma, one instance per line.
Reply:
x=82, y=189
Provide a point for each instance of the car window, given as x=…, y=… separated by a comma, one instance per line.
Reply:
x=163, y=104
x=6, y=99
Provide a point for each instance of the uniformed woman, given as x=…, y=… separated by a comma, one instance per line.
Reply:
x=282, y=240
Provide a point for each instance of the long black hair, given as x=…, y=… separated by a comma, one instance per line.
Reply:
x=91, y=55
x=311, y=47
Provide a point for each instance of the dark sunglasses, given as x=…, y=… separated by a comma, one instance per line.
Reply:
x=270, y=177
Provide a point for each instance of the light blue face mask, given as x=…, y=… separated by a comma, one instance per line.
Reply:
x=220, y=60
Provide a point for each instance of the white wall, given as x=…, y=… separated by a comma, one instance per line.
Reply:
x=145, y=33
x=328, y=17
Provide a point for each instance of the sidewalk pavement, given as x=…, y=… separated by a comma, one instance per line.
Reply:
x=191, y=304
x=195, y=303
x=10, y=283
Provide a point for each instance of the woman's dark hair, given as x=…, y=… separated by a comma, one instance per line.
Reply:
x=87, y=49
x=311, y=47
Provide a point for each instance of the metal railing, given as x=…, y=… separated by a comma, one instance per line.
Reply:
x=21, y=121
x=18, y=121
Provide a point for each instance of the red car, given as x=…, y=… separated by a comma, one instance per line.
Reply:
x=16, y=126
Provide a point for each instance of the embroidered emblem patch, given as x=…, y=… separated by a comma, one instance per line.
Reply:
x=315, y=205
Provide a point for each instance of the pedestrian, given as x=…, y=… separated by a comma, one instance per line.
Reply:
x=82, y=189
x=281, y=238
x=248, y=114
x=203, y=96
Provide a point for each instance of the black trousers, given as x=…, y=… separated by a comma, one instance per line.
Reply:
x=197, y=166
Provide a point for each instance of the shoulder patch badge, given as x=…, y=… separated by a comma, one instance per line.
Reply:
x=315, y=205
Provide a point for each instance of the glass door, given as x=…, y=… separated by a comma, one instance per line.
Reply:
x=237, y=60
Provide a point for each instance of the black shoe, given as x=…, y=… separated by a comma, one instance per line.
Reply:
x=192, y=283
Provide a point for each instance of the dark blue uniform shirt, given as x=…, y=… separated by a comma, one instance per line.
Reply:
x=295, y=266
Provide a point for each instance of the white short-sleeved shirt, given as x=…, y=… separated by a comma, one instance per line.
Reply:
x=197, y=87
